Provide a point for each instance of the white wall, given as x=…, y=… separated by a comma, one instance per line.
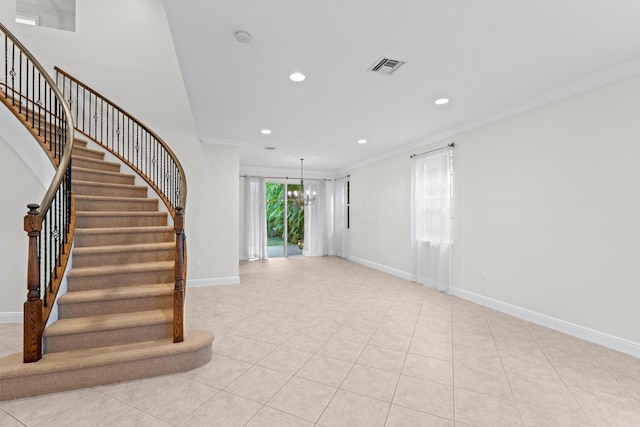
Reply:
x=380, y=221
x=124, y=50
x=546, y=203
x=13, y=251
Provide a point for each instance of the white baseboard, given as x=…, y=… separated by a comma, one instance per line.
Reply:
x=11, y=317
x=601, y=338
x=214, y=281
x=380, y=267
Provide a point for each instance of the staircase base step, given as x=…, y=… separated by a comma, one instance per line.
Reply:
x=99, y=366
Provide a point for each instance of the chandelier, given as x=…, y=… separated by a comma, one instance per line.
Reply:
x=301, y=198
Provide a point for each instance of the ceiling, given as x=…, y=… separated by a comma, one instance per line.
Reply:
x=489, y=57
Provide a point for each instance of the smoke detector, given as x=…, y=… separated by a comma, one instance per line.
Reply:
x=386, y=65
x=243, y=36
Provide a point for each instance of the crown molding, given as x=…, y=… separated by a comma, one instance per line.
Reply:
x=220, y=141
x=599, y=79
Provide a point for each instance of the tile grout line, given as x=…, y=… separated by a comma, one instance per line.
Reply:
x=404, y=361
x=558, y=374
x=493, y=338
x=354, y=363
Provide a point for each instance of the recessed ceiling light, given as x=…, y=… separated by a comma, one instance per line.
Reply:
x=442, y=101
x=362, y=141
x=297, y=77
x=266, y=131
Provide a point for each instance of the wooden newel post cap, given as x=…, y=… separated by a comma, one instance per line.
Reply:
x=31, y=223
x=178, y=221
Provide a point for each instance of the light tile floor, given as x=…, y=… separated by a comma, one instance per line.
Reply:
x=326, y=342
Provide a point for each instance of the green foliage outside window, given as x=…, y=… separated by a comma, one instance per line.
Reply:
x=275, y=211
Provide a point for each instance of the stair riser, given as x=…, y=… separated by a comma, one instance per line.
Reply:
x=100, y=177
x=126, y=257
x=141, y=205
x=90, y=240
x=99, y=308
x=83, y=221
x=83, y=283
x=83, y=152
x=96, y=165
x=98, y=190
x=54, y=344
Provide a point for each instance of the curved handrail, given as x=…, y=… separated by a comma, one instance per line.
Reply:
x=50, y=224
x=100, y=128
x=68, y=145
x=146, y=153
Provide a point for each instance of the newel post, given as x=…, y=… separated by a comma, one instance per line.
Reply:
x=32, y=345
x=178, y=290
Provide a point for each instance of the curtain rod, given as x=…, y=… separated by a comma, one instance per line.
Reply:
x=431, y=151
x=284, y=177
x=341, y=177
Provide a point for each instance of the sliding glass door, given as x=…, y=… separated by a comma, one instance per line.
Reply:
x=285, y=221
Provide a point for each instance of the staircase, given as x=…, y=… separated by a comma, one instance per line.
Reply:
x=119, y=290
x=117, y=321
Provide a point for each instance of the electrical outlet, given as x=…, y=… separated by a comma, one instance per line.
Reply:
x=484, y=276
x=198, y=263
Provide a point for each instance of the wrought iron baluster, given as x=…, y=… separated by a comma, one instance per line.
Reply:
x=101, y=121
x=95, y=116
x=27, y=97
x=20, y=91
x=13, y=74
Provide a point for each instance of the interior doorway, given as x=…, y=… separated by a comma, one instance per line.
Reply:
x=285, y=221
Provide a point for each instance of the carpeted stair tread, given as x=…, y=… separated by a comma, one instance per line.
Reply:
x=107, y=189
x=126, y=299
x=91, y=203
x=91, y=219
x=112, y=198
x=102, y=365
x=109, y=322
x=120, y=213
x=93, y=237
x=121, y=254
x=97, y=250
x=87, y=152
x=141, y=291
x=118, y=230
x=121, y=269
x=95, y=175
x=98, y=164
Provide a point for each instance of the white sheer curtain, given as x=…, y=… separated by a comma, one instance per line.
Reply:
x=431, y=240
x=341, y=233
x=255, y=217
x=315, y=221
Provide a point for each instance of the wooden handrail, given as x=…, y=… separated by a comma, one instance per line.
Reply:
x=37, y=311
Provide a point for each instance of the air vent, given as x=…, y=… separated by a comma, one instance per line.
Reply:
x=385, y=65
